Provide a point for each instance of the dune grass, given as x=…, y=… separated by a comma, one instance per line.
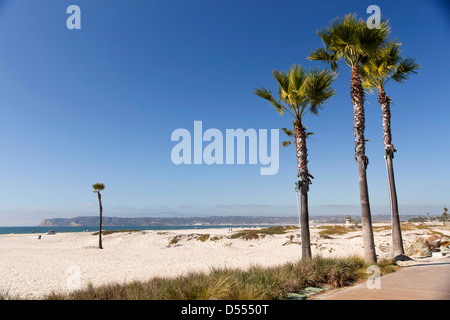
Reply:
x=328, y=231
x=108, y=232
x=254, y=283
x=251, y=234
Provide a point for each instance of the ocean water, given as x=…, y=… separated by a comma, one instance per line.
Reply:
x=43, y=230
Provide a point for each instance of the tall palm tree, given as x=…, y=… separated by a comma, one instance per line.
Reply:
x=348, y=40
x=97, y=188
x=387, y=65
x=301, y=92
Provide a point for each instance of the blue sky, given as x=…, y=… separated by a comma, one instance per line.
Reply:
x=99, y=105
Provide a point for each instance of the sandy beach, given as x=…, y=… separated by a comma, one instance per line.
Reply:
x=32, y=267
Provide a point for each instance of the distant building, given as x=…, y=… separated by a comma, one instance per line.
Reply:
x=348, y=220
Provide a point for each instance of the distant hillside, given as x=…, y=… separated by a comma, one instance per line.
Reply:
x=147, y=221
x=189, y=221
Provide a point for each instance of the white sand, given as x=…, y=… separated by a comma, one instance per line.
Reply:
x=31, y=268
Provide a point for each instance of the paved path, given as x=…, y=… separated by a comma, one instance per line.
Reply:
x=425, y=280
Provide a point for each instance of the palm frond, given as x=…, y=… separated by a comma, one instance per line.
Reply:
x=298, y=89
x=369, y=40
x=266, y=94
x=297, y=78
x=283, y=84
x=289, y=133
x=327, y=57
x=297, y=82
x=349, y=40
x=405, y=68
x=98, y=186
x=319, y=88
x=384, y=64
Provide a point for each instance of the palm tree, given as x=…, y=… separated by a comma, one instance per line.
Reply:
x=348, y=40
x=387, y=65
x=97, y=188
x=301, y=92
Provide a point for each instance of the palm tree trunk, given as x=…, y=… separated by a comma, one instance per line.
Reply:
x=397, y=241
x=304, y=217
x=100, y=229
x=357, y=95
x=304, y=176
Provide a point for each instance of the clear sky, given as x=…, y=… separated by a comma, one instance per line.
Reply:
x=99, y=104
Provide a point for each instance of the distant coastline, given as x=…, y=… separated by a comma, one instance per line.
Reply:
x=175, y=221
x=89, y=221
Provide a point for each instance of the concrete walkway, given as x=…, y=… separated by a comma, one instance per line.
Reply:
x=424, y=279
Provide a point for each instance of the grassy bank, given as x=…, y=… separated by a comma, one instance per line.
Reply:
x=266, y=283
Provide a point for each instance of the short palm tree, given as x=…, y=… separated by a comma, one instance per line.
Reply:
x=97, y=188
x=301, y=92
x=387, y=65
x=348, y=40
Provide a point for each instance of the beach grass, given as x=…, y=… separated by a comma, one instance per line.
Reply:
x=328, y=231
x=108, y=232
x=252, y=234
x=254, y=283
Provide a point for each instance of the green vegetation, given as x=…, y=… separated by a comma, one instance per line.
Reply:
x=428, y=228
x=199, y=237
x=266, y=283
x=381, y=228
x=108, y=232
x=328, y=231
x=261, y=233
x=203, y=237
x=174, y=240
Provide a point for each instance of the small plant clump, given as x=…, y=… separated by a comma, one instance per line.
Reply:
x=175, y=240
x=261, y=233
x=203, y=237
